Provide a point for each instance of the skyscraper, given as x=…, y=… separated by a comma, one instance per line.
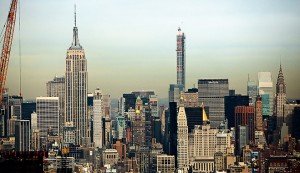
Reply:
x=258, y=114
x=56, y=88
x=181, y=58
x=251, y=91
x=245, y=116
x=211, y=93
x=47, y=109
x=230, y=103
x=97, y=122
x=76, y=88
x=182, y=138
x=22, y=135
x=280, y=99
x=265, y=86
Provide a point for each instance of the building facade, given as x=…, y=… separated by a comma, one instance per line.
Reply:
x=56, y=88
x=211, y=93
x=182, y=138
x=22, y=135
x=265, y=87
x=47, y=110
x=97, y=119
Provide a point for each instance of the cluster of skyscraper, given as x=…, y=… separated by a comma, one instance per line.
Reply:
x=203, y=129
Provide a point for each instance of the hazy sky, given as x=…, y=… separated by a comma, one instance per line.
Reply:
x=130, y=45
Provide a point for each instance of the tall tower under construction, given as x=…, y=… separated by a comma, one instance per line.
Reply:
x=76, y=90
x=180, y=58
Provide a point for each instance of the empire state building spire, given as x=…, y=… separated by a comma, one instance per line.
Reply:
x=75, y=43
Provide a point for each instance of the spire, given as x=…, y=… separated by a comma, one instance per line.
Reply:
x=75, y=43
x=75, y=13
x=280, y=81
x=204, y=116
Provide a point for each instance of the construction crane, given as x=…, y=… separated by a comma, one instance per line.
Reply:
x=7, y=42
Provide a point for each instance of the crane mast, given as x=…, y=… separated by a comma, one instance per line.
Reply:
x=7, y=42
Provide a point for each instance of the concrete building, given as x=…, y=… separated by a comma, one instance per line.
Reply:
x=22, y=135
x=153, y=102
x=97, y=119
x=181, y=58
x=265, y=86
x=182, y=138
x=164, y=163
x=56, y=88
x=190, y=99
x=211, y=92
x=219, y=161
x=47, y=110
x=76, y=89
x=204, y=141
x=258, y=114
x=110, y=157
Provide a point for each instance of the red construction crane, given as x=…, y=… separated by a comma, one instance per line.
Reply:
x=7, y=42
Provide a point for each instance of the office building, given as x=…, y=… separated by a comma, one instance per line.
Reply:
x=190, y=99
x=121, y=106
x=194, y=116
x=175, y=92
x=76, y=89
x=28, y=107
x=266, y=107
x=265, y=86
x=230, y=103
x=56, y=88
x=164, y=163
x=110, y=157
x=153, y=101
x=11, y=123
x=120, y=127
x=245, y=116
x=251, y=91
x=182, y=138
x=259, y=114
x=22, y=135
x=97, y=119
x=241, y=137
x=47, y=110
x=211, y=93
x=129, y=101
x=15, y=106
x=181, y=58
x=280, y=98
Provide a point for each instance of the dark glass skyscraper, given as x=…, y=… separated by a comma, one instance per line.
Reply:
x=180, y=58
x=230, y=103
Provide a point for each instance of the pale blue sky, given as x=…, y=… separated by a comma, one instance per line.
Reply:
x=130, y=45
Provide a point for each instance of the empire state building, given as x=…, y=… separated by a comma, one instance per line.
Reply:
x=76, y=90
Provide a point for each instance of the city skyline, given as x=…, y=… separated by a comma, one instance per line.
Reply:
x=129, y=52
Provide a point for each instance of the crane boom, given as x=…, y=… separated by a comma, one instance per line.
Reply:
x=7, y=42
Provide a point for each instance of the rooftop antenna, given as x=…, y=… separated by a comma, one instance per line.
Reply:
x=75, y=13
x=248, y=77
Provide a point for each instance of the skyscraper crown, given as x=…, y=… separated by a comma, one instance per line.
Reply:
x=75, y=43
